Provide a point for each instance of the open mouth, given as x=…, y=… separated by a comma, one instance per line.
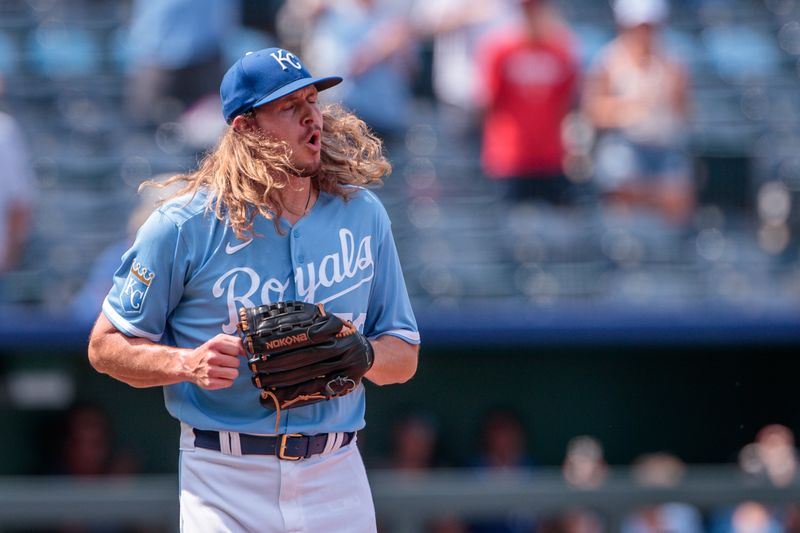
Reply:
x=314, y=140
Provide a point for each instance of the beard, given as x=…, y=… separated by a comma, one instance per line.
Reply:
x=310, y=170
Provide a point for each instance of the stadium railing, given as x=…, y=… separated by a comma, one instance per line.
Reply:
x=404, y=503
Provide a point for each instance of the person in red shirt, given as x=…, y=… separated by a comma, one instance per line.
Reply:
x=528, y=73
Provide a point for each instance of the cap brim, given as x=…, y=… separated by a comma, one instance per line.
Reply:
x=320, y=83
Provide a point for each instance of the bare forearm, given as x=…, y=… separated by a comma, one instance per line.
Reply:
x=137, y=362
x=395, y=361
x=142, y=363
x=602, y=106
x=611, y=112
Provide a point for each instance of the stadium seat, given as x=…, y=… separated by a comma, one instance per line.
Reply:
x=741, y=53
x=61, y=52
x=9, y=54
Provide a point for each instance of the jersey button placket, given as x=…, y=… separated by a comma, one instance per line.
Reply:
x=297, y=254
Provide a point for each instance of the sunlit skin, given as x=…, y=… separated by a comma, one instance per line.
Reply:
x=296, y=119
x=642, y=39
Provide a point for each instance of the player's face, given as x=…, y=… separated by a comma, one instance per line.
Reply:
x=296, y=119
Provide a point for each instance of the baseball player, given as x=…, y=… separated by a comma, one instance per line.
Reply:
x=277, y=212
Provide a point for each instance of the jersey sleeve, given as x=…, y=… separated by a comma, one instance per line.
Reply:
x=389, y=311
x=149, y=283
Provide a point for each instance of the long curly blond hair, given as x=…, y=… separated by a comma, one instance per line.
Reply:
x=246, y=171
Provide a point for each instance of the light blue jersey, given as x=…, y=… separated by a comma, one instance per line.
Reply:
x=186, y=276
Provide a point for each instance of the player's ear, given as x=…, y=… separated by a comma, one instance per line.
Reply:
x=244, y=123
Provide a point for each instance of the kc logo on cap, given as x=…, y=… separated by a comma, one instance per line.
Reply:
x=282, y=56
x=258, y=78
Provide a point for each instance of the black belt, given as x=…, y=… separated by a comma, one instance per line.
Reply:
x=291, y=447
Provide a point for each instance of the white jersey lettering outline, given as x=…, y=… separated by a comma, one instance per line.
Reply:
x=334, y=269
x=218, y=291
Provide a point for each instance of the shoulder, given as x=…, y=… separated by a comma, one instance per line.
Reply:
x=362, y=203
x=607, y=57
x=183, y=209
x=355, y=195
x=177, y=216
x=362, y=194
x=501, y=39
x=367, y=200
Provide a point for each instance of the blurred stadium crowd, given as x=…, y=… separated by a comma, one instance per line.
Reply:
x=88, y=449
x=770, y=459
x=545, y=152
x=529, y=165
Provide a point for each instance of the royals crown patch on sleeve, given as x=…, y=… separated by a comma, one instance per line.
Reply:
x=136, y=286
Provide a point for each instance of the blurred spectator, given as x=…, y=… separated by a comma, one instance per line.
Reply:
x=414, y=441
x=772, y=456
x=295, y=22
x=584, y=465
x=747, y=517
x=17, y=178
x=87, y=301
x=574, y=521
x=503, y=451
x=448, y=525
x=528, y=72
x=638, y=96
x=88, y=447
x=176, y=50
x=503, y=442
x=415, y=450
x=455, y=27
x=661, y=470
x=370, y=43
x=582, y=521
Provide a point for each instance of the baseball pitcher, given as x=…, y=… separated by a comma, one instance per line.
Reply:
x=259, y=296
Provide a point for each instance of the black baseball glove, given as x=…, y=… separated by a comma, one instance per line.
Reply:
x=300, y=354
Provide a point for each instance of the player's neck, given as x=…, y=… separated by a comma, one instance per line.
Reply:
x=297, y=197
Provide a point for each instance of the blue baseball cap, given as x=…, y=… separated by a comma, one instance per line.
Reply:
x=260, y=77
